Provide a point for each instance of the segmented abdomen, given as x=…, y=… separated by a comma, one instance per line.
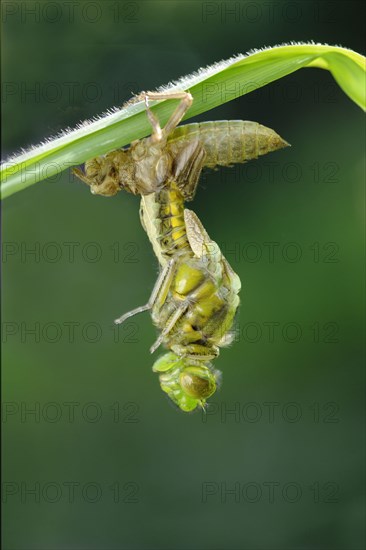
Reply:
x=162, y=216
x=228, y=141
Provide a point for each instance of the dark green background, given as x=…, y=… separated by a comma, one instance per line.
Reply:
x=311, y=195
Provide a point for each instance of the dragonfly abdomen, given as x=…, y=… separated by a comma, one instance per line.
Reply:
x=162, y=216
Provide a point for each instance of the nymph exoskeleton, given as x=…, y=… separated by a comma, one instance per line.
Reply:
x=195, y=298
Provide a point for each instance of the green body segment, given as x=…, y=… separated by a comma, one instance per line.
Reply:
x=162, y=217
x=212, y=303
x=203, y=288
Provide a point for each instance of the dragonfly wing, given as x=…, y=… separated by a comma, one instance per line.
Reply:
x=198, y=238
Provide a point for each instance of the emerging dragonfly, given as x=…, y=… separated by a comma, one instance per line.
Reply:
x=195, y=297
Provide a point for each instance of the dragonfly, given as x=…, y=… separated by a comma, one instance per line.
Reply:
x=196, y=296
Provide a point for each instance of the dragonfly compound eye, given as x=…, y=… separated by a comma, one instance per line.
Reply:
x=197, y=382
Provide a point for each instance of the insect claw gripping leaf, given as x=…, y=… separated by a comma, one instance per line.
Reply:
x=195, y=298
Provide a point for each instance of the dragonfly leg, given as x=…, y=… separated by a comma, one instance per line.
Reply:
x=176, y=117
x=154, y=121
x=158, y=294
x=81, y=175
x=196, y=352
x=170, y=324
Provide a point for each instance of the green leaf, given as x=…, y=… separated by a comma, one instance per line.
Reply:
x=210, y=87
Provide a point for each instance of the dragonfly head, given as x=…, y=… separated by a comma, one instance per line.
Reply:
x=188, y=383
x=109, y=174
x=101, y=175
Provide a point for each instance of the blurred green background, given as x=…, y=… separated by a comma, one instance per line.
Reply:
x=103, y=461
